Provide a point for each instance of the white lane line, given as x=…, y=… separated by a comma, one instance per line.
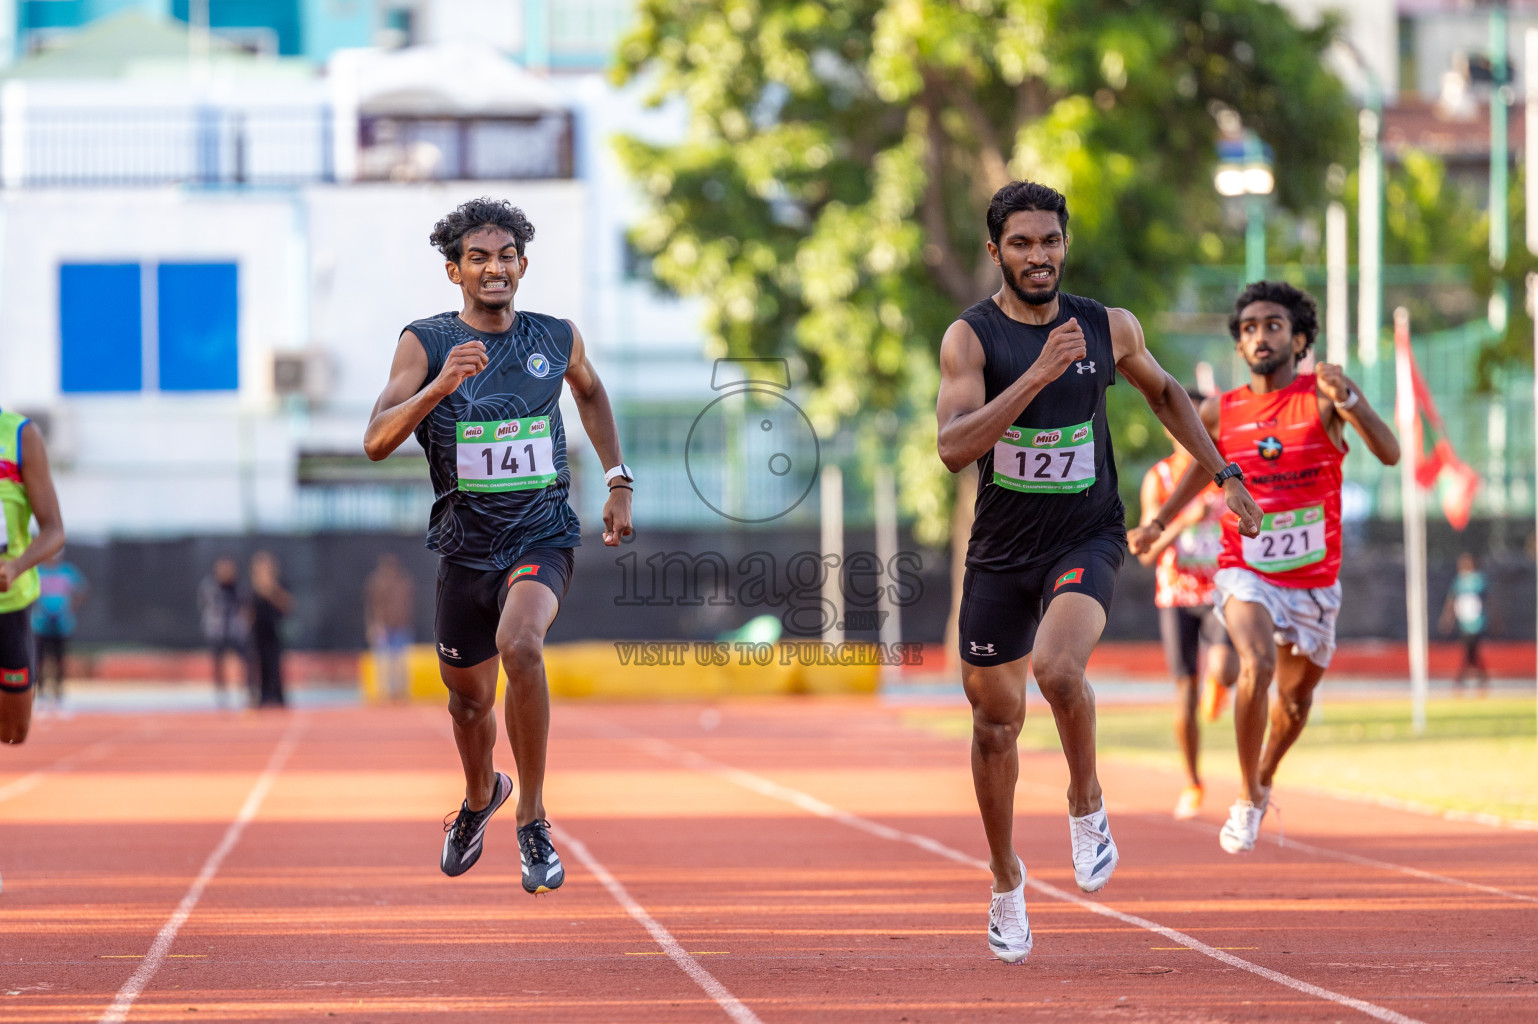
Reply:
x=1394, y=803
x=1353, y=858
x=812, y=805
x=703, y=978
x=134, y=987
x=68, y=762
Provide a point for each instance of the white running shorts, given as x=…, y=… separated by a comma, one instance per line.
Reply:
x=1303, y=617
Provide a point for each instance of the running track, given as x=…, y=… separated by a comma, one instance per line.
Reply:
x=800, y=861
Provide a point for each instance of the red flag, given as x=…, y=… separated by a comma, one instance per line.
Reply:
x=1462, y=482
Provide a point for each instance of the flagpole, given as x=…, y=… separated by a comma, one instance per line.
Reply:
x=1414, y=522
x=1532, y=291
x=1532, y=246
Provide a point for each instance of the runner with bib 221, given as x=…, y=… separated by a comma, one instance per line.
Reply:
x=1278, y=591
x=1023, y=376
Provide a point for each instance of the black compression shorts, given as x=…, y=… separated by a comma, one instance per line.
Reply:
x=470, y=601
x=1182, y=630
x=16, y=651
x=1000, y=611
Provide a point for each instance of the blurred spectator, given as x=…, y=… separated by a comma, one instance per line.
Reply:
x=63, y=590
x=388, y=617
x=224, y=620
x=1465, y=611
x=269, y=603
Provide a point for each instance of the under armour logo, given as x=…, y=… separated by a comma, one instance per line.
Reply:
x=978, y=648
x=1085, y=367
x=452, y=652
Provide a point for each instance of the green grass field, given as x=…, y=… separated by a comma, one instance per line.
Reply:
x=1478, y=754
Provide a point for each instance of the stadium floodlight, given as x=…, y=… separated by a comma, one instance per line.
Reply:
x=1244, y=170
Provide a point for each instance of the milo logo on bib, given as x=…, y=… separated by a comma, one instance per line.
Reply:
x=471, y=433
x=1055, y=460
x=505, y=430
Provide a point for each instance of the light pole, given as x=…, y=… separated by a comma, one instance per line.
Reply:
x=1244, y=169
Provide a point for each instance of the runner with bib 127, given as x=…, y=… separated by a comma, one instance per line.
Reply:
x=1277, y=591
x=1023, y=379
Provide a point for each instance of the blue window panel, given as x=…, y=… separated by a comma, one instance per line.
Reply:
x=281, y=16
x=101, y=327
x=198, y=311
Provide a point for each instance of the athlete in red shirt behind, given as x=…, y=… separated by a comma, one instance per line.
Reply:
x=1278, y=592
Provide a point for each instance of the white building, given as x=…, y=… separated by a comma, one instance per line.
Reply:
x=207, y=261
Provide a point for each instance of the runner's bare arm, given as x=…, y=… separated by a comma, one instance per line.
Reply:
x=598, y=420
x=1194, y=481
x=969, y=424
x=1335, y=390
x=404, y=402
x=38, y=481
x=1173, y=407
x=1148, y=504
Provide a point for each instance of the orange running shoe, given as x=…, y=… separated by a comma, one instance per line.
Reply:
x=1214, y=699
x=1189, y=804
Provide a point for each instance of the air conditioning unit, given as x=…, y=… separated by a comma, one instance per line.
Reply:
x=303, y=374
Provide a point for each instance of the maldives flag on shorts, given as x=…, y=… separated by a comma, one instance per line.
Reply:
x=1462, y=482
x=1071, y=576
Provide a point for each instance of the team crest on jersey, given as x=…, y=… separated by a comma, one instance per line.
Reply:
x=538, y=365
x=1047, y=437
x=506, y=430
x=1269, y=447
x=1071, y=576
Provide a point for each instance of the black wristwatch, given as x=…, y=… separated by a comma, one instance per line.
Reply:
x=1228, y=472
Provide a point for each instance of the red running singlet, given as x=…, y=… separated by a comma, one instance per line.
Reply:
x=1292, y=470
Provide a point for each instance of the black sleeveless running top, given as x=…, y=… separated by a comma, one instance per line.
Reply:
x=496, y=447
x=1054, y=484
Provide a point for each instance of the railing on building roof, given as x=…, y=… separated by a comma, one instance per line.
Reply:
x=270, y=146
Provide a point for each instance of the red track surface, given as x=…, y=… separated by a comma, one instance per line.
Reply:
x=328, y=904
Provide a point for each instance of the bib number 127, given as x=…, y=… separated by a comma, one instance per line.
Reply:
x=1053, y=460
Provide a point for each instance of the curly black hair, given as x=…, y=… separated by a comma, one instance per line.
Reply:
x=449, y=233
x=1024, y=195
x=1300, y=306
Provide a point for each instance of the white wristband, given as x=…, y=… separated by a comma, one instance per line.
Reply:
x=1352, y=397
x=617, y=472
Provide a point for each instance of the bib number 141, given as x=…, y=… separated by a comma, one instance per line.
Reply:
x=1054, y=460
x=508, y=455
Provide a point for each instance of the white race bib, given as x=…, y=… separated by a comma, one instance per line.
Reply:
x=1056, y=460
x=1287, y=540
x=505, y=455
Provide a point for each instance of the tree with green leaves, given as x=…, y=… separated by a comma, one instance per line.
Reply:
x=827, y=203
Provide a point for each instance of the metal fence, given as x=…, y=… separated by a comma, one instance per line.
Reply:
x=171, y=145
x=46, y=146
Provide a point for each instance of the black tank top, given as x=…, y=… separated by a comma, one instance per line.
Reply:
x=496, y=447
x=1054, y=483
